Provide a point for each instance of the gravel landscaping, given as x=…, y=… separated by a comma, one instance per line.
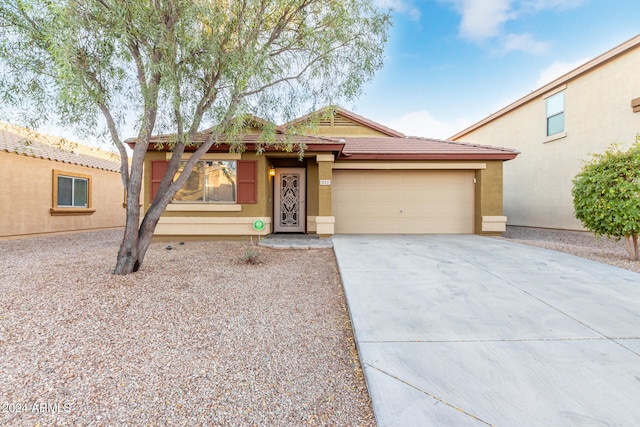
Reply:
x=196, y=337
x=579, y=243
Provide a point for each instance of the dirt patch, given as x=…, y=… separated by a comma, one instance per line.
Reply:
x=579, y=243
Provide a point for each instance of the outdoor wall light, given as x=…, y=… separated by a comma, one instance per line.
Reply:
x=272, y=171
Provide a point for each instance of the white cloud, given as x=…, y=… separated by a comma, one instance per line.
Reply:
x=525, y=43
x=422, y=123
x=556, y=70
x=539, y=5
x=401, y=6
x=483, y=19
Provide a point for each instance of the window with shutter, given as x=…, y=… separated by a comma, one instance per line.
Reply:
x=158, y=169
x=247, y=181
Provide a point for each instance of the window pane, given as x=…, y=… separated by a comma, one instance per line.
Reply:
x=65, y=185
x=80, y=192
x=220, y=181
x=193, y=188
x=555, y=104
x=555, y=124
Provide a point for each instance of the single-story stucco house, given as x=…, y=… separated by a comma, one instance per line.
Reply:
x=53, y=185
x=357, y=176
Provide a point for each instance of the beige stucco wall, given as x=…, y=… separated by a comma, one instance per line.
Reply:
x=537, y=184
x=489, y=198
x=313, y=199
x=26, y=198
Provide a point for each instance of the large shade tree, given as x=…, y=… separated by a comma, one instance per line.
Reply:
x=177, y=66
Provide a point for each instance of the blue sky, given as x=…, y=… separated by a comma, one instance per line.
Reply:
x=450, y=63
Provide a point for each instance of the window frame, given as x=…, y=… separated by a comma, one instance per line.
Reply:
x=204, y=187
x=548, y=116
x=56, y=209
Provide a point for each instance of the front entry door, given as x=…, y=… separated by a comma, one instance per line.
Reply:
x=289, y=201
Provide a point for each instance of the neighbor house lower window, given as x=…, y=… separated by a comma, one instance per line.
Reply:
x=71, y=193
x=211, y=181
x=555, y=114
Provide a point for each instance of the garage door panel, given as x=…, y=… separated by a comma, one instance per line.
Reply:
x=405, y=201
x=349, y=194
x=354, y=226
x=378, y=210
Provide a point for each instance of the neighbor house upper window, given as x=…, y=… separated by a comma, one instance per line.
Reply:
x=555, y=114
x=71, y=193
x=210, y=181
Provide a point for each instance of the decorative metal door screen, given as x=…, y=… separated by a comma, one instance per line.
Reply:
x=290, y=191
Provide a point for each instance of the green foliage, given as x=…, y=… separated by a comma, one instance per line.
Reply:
x=185, y=61
x=606, y=193
x=179, y=66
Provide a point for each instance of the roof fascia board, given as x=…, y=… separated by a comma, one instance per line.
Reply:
x=369, y=123
x=408, y=156
x=351, y=116
x=410, y=165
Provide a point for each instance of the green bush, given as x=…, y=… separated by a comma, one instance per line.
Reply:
x=606, y=195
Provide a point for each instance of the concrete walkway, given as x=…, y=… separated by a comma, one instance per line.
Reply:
x=471, y=331
x=295, y=241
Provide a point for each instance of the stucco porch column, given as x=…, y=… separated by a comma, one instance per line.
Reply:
x=490, y=219
x=325, y=221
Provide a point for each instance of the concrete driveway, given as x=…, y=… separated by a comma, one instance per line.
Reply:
x=469, y=330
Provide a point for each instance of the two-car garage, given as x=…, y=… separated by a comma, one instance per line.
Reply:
x=404, y=201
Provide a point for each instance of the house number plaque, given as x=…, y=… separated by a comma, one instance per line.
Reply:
x=325, y=182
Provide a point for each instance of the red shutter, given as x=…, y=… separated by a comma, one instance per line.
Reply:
x=158, y=170
x=247, y=181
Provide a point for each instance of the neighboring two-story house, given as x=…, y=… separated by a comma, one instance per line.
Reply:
x=556, y=128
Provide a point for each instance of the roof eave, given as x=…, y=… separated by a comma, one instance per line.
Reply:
x=352, y=116
x=419, y=156
x=226, y=148
x=370, y=123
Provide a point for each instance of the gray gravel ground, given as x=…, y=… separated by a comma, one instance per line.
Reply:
x=197, y=337
x=579, y=243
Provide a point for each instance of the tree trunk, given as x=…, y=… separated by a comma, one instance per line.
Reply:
x=628, y=245
x=632, y=249
x=137, y=239
x=127, y=261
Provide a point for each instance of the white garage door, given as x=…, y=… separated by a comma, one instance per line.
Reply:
x=403, y=201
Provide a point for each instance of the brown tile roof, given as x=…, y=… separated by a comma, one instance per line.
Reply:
x=393, y=147
x=249, y=139
x=26, y=142
x=413, y=148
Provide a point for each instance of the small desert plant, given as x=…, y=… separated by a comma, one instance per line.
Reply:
x=251, y=254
